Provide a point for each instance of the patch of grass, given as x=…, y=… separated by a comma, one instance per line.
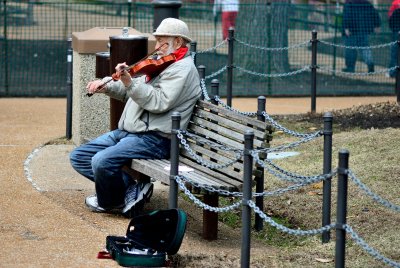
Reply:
x=268, y=235
x=59, y=141
x=373, y=159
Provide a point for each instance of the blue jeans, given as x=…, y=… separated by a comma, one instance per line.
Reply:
x=101, y=160
x=357, y=40
x=393, y=54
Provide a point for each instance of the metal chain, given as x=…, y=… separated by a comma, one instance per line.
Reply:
x=371, y=251
x=204, y=90
x=216, y=73
x=287, y=131
x=279, y=191
x=374, y=196
x=210, y=188
x=300, y=178
x=216, y=144
x=220, y=102
x=305, y=68
x=201, y=161
x=292, y=177
x=292, y=144
x=290, y=188
x=305, y=43
x=213, y=48
x=356, y=47
x=202, y=204
x=286, y=229
x=383, y=71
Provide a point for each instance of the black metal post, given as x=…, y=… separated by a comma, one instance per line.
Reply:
x=173, y=185
x=210, y=218
x=202, y=73
x=397, y=85
x=268, y=16
x=229, y=83
x=29, y=14
x=214, y=90
x=246, y=210
x=193, y=48
x=258, y=221
x=327, y=168
x=335, y=37
x=165, y=9
x=5, y=37
x=314, y=43
x=68, y=133
x=341, y=209
x=129, y=3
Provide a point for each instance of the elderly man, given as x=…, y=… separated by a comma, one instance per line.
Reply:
x=145, y=125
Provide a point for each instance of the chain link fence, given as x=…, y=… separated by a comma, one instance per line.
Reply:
x=272, y=54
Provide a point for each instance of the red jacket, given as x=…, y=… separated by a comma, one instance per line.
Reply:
x=395, y=5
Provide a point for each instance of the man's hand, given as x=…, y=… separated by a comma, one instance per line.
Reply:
x=122, y=71
x=96, y=86
x=347, y=32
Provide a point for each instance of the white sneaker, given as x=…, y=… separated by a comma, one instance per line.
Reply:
x=93, y=205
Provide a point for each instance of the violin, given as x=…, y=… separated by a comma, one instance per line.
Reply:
x=146, y=66
x=150, y=67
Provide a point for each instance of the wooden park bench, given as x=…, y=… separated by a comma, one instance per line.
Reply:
x=211, y=131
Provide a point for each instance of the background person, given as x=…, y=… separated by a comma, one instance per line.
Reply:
x=145, y=125
x=394, y=25
x=229, y=9
x=360, y=19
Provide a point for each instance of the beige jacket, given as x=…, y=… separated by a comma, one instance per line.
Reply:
x=149, y=105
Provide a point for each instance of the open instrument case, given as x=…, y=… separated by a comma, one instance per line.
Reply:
x=150, y=238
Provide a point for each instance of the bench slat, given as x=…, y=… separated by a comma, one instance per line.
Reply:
x=234, y=170
x=237, y=182
x=226, y=132
x=214, y=136
x=153, y=168
x=156, y=168
x=227, y=123
x=221, y=156
x=245, y=120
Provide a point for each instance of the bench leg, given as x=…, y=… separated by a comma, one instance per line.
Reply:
x=210, y=219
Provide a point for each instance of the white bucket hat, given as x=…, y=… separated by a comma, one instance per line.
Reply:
x=173, y=27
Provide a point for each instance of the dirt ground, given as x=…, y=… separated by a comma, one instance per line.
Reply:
x=43, y=228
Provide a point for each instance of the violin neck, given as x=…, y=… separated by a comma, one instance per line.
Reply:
x=151, y=54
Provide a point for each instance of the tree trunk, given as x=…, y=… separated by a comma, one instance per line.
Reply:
x=267, y=27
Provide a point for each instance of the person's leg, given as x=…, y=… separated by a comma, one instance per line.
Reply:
x=232, y=19
x=228, y=20
x=107, y=164
x=366, y=53
x=81, y=157
x=350, y=56
x=393, y=54
x=225, y=24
